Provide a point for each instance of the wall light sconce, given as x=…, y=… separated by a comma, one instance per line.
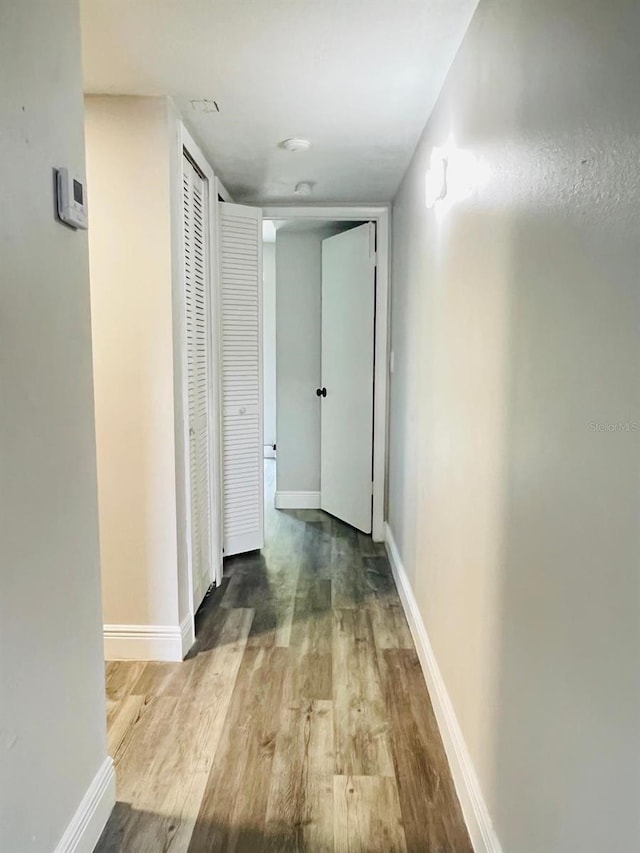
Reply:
x=436, y=179
x=454, y=176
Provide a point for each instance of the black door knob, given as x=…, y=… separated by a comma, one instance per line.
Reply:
x=321, y=392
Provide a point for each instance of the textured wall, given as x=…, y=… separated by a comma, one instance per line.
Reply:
x=515, y=327
x=52, y=707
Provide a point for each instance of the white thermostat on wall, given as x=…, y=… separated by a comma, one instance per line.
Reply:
x=72, y=200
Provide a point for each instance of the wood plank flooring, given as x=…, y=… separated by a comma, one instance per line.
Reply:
x=299, y=722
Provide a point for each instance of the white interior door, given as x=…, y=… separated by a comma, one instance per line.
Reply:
x=197, y=295
x=348, y=304
x=242, y=378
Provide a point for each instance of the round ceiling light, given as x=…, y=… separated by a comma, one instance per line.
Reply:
x=296, y=143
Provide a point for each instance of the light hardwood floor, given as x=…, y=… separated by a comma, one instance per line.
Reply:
x=299, y=722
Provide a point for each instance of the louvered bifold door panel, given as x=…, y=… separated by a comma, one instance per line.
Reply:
x=196, y=278
x=241, y=303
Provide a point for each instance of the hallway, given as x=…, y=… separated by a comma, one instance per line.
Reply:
x=300, y=721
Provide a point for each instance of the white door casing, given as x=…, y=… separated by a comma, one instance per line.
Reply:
x=240, y=258
x=380, y=215
x=198, y=337
x=348, y=317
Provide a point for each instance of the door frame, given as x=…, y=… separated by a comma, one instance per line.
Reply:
x=184, y=142
x=380, y=215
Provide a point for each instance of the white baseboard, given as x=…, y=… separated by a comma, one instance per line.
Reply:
x=86, y=826
x=297, y=500
x=143, y=642
x=187, y=634
x=474, y=808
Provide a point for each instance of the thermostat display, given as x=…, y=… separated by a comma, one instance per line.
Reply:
x=72, y=200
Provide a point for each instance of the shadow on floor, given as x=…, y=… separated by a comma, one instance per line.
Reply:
x=139, y=831
x=311, y=562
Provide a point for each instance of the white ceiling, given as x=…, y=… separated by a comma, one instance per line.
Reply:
x=356, y=77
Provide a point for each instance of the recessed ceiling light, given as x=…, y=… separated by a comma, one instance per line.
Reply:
x=304, y=188
x=296, y=143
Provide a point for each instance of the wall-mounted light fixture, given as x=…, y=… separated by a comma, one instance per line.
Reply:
x=436, y=179
x=454, y=175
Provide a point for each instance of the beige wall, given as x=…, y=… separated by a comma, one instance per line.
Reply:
x=52, y=707
x=128, y=164
x=515, y=328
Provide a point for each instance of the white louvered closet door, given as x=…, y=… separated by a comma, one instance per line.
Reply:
x=196, y=278
x=240, y=231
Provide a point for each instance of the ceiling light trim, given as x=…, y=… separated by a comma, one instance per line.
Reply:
x=296, y=144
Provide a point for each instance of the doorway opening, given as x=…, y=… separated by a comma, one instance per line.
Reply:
x=325, y=360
